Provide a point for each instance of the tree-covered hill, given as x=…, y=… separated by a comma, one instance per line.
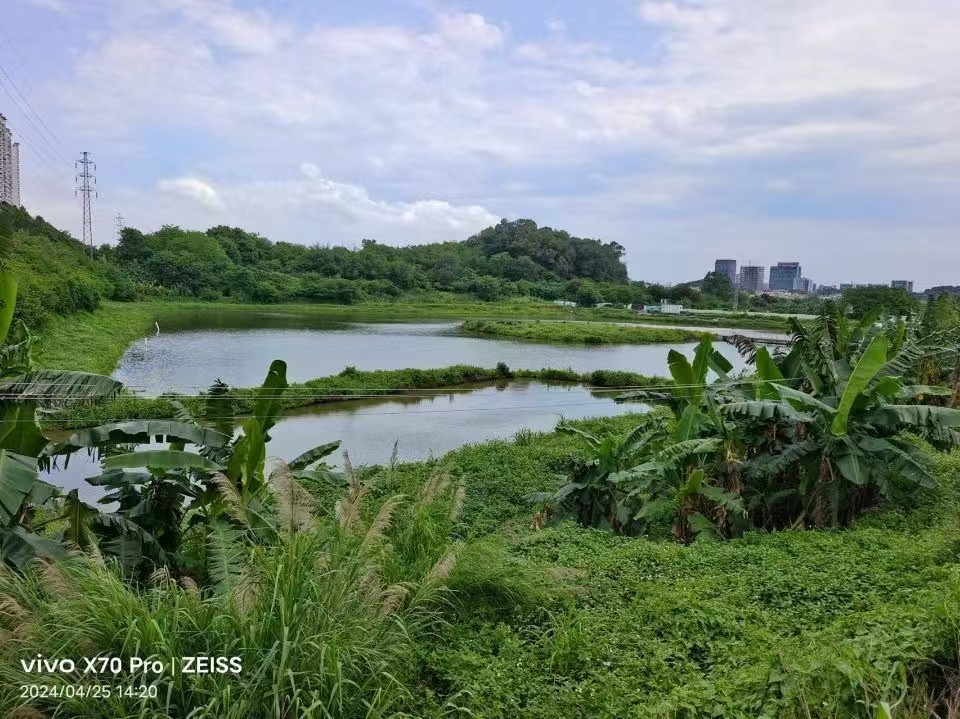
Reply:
x=512, y=258
x=509, y=260
x=55, y=272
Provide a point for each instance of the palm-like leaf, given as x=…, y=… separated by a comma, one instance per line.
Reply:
x=18, y=474
x=867, y=367
x=141, y=432
x=164, y=459
x=58, y=387
x=314, y=455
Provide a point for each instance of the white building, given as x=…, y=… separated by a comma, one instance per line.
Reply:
x=9, y=166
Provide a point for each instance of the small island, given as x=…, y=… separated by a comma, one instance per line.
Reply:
x=591, y=333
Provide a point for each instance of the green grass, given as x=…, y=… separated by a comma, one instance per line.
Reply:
x=740, y=320
x=577, y=332
x=347, y=385
x=94, y=341
x=793, y=624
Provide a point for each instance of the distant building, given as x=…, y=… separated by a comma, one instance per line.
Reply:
x=751, y=278
x=666, y=307
x=786, y=277
x=902, y=285
x=728, y=268
x=9, y=166
x=807, y=286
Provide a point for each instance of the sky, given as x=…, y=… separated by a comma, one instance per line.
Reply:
x=686, y=130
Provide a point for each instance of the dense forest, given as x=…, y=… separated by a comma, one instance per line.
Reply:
x=512, y=259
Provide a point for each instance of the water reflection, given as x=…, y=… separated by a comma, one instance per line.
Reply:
x=421, y=426
x=189, y=361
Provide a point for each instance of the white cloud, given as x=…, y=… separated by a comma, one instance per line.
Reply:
x=470, y=29
x=192, y=188
x=864, y=93
x=350, y=206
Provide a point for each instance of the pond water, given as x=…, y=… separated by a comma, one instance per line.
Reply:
x=420, y=426
x=194, y=349
x=239, y=349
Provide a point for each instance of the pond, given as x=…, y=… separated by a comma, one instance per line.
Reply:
x=420, y=426
x=238, y=349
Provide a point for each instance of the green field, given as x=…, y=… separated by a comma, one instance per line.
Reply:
x=577, y=332
x=789, y=624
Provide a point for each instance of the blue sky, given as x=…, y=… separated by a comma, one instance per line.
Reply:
x=686, y=130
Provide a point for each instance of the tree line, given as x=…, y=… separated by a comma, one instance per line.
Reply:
x=512, y=259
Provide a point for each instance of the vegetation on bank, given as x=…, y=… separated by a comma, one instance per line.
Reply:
x=349, y=384
x=455, y=586
x=577, y=332
x=737, y=320
x=513, y=261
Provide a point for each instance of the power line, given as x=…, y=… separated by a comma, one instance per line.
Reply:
x=53, y=166
x=32, y=123
x=388, y=393
x=37, y=115
x=86, y=186
x=11, y=52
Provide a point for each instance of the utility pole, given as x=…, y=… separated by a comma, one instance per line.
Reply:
x=119, y=223
x=86, y=186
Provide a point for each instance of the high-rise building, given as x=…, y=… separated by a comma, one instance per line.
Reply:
x=15, y=172
x=728, y=268
x=902, y=285
x=786, y=277
x=751, y=278
x=9, y=166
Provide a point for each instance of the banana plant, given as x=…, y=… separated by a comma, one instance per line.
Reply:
x=24, y=392
x=843, y=443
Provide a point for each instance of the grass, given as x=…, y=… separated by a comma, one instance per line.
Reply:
x=793, y=624
x=348, y=384
x=577, y=332
x=95, y=341
x=321, y=622
x=740, y=320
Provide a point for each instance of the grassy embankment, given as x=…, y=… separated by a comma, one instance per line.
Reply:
x=793, y=624
x=577, y=332
x=348, y=384
x=739, y=320
x=95, y=341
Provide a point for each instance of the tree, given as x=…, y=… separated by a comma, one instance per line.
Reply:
x=717, y=284
x=895, y=300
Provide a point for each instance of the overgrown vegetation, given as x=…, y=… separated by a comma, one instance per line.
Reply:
x=437, y=588
x=813, y=438
x=577, y=332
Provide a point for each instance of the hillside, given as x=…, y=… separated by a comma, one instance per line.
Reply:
x=510, y=259
x=55, y=272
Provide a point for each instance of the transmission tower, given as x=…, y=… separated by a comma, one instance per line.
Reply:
x=118, y=221
x=86, y=186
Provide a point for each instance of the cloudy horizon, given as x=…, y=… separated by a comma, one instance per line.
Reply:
x=684, y=130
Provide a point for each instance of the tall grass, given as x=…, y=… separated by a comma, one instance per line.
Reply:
x=325, y=621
